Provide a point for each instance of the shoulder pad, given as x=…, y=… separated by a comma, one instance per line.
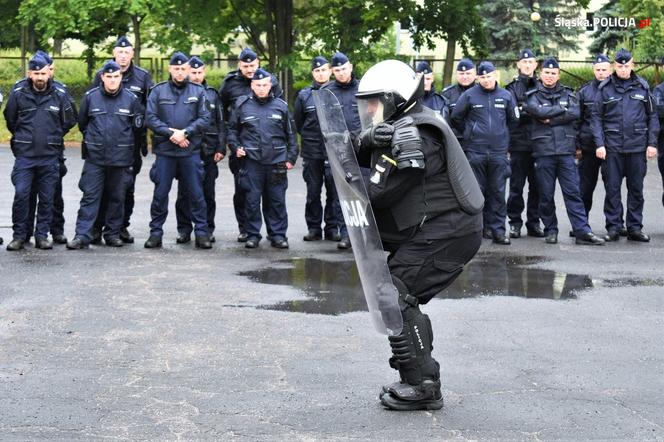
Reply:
x=529, y=92
x=197, y=86
x=92, y=90
x=514, y=80
x=159, y=84
x=604, y=83
x=282, y=101
x=130, y=93
x=643, y=82
x=568, y=88
x=231, y=75
x=140, y=69
x=20, y=81
x=448, y=87
x=241, y=100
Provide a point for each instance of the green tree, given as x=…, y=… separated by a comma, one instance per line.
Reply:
x=649, y=41
x=606, y=39
x=509, y=27
x=457, y=21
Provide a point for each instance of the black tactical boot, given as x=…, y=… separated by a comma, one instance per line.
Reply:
x=419, y=385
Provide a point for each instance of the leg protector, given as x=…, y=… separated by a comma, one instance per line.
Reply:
x=419, y=386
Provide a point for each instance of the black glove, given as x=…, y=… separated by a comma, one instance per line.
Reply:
x=377, y=136
x=407, y=145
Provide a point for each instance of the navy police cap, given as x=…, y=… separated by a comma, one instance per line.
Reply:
x=526, y=53
x=485, y=67
x=465, y=64
x=196, y=62
x=178, y=59
x=123, y=42
x=110, y=66
x=37, y=63
x=423, y=67
x=601, y=58
x=339, y=59
x=623, y=56
x=318, y=62
x=261, y=74
x=550, y=63
x=45, y=56
x=247, y=55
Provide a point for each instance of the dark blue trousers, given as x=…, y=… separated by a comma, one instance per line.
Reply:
x=58, y=220
x=562, y=168
x=42, y=174
x=182, y=210
x=589, y=169
x=239, y=197
x=128, y=199
x=660, y=165
x=522, y=165
x=189, y=169
x=316, y=174
x=266, y=182
x=95, y=182
x=632, y=167
x=491, y=171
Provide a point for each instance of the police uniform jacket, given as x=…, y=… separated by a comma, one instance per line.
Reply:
x=345, y=93
x=236, y=85
x=38, y=121
x=435, y=101
x=520, y=133
x=625, y=119
x=451, y=94
x=109, y=123
x=135, y=79
x=558, y=105
x=180, y=107
x=483, y=116
x=658, y=96
x=586, y=98
x=264, y=129
x=214, y=139
x=306, y=122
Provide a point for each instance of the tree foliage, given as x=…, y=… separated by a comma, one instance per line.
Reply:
x=608, y=39
x=648, y=41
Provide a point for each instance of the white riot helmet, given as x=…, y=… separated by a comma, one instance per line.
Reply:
x=387, y=89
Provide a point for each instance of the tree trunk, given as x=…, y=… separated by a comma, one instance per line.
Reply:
x=449, y=61
x=136, y=24
x=57, y=46
x=89, y=54
x=284, y=33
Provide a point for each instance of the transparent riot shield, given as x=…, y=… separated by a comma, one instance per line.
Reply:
x=381, y=295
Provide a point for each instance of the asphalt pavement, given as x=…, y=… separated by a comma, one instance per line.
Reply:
x=535, y=341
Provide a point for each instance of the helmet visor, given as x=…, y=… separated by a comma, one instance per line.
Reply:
x=374, y=109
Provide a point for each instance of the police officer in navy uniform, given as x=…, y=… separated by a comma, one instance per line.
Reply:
x=429, y=229
x=38, y=115
x=344, y=87
x=178, y=115
x=554, y=111
x=58, y=222
x=235, y=85
x=482, y=114
x=138, y=81
x=111, y=119
x=625, y=127
x=315, y=166
x=521, y=159
x=431, y=98
x=658, y=95
x=589, y=164
x=262, y=137
x=213, y=150
x=465, y=77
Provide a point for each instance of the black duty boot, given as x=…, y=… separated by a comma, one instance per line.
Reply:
x=43, y=243
x=125, y=236
x=419, y=385
x=59, y=239
x=515, y=231
x=78, y=243
x=153, y=242
x=312, y=235
x=15, y=244
x=203, y=242
x=96, y=237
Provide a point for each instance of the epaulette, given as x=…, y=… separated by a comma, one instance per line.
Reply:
x=130, y=92
x=282, y=100
x=448, y=87
x=643, y=82
x=161, y=82
x=138, y=68
x=604, y=83
x=231, y=74
x=531, y=91
x=241, y=100
x=21, y=80
x=92, y=90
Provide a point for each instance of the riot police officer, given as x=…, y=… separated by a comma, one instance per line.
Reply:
x=625, y=128
x=427, y=206
x=554, y=111
x=658, y=95
x=138, y=81
x=178, y=115
x=110, y=119
x=38, y=115
x=315, y=166
x=521, y=159
x=431, y=98
x=344, y=87
x=213, y=150
x=482, y=114
x=589, y=164
x=57, y=227
x=235, y=85
x=465, y=77
x=261, y=136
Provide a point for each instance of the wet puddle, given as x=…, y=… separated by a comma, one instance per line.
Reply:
x=333, y=287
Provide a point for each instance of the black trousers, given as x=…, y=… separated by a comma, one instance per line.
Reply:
x=428, y=266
